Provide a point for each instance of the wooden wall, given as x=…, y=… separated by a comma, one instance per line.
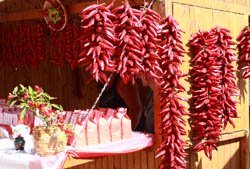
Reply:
x=233, y=152
x=228, y=156
x=73, y=92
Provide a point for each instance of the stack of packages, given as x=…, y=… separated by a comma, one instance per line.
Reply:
x=10, y=116
x=100, y=126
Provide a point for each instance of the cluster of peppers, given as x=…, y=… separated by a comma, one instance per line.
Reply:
x=25, y=44
x=213, y=87
x=131, y=42
x=64, y=45
x=244, y=52
x=22, y=45
x=97, y=41
x=172, y=148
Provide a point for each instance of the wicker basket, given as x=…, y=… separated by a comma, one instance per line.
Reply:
x=49, y=140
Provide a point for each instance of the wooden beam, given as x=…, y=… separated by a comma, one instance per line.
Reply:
x=72, y=10
x=233, y=135
x=244, y=152
x=215, y=5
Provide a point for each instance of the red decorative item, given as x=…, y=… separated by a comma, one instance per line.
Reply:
x=55, y=14
x=171, y=150
x=244, y=52
x=97, y=41
x=130, y=50
x=213, y=87
x=151, y=60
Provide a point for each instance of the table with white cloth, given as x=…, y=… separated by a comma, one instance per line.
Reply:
x=12, y=159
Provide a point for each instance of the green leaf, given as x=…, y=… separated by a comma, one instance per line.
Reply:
x=13, y=103
x=22, y=87
x=59, y=107
x=15, y=90
x=23, y=112
x=30, y=90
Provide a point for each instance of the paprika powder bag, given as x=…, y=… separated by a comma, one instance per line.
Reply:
x=102, y=127
x=125, y=122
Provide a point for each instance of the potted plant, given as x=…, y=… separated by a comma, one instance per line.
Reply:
x=49, y=138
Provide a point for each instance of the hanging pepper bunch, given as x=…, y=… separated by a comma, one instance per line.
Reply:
x=213, y=87
x=69, y=36
x=57, y=48
x=75, y=43
x=228, y=81
x=171, y=150
x=97, y=41
x=9, y=44
x=130, y=51
x=244, y=52
x=40, y=41
x=151, y=60
x=206, y=105
x=145, y=44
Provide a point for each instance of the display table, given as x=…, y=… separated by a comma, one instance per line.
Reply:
x=12, y=159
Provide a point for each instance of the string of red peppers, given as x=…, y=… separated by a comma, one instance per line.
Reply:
x=64, y=45
x=130, y=50
x=244, y=52
x=213, y=87
x=21, y=44
x=97, y=41
x=151, y=60
x=171, y=150
x=142, y=46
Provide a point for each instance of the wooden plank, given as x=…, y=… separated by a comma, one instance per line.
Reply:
x=105, y=163
x=117, y=162
x=216, y=5
x=144, y=159
x=227, y=155
x=137, y=160
x=159, y=6
x=124, y=161
x=206, y=163
x=92, y=165
x=86, y=166
x=73, y=9
x=233, y=135
x=221, y=158
x=157, y=162
x=151, y=160
x=234, y=153
x=244, y=150
x=70, y=162
x=110, y=162
x=157, y=119
x=238, y=155
x=98, y=163
x=130, y=161
x=215, y=159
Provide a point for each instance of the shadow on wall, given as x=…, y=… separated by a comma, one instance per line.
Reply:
x=228, y=156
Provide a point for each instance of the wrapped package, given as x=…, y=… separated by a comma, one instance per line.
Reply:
x=114, y=125
x=80, y=133
x=102, y=127
x=125, y=122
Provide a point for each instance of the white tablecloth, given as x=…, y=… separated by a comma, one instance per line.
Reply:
x=12, y=159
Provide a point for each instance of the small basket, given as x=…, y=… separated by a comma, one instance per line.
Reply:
x=49, y=140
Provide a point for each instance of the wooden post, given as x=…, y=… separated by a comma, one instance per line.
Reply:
x=244, y=151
